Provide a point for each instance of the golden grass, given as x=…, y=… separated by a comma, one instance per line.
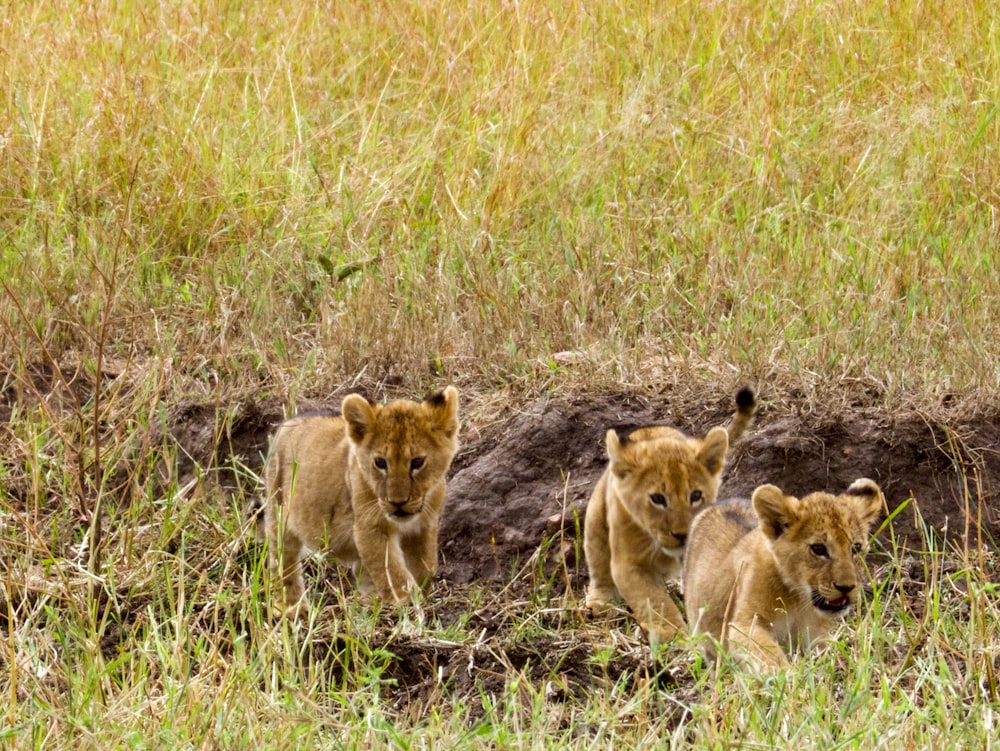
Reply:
x=422, y=191
x=226, y=200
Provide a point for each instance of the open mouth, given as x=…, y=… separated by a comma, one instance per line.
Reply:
x=830, y=606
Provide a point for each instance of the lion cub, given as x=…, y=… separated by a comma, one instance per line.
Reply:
x=779, y=573
x=641, y=508
x=368, y=486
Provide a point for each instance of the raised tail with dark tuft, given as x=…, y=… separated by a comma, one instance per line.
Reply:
x=746, y=405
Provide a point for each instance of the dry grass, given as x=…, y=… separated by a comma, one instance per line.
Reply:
x=420, y=191
x=221, y=200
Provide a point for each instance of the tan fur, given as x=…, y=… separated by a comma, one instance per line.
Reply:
x=641, y=509
x=778, y=573
x=367, y=486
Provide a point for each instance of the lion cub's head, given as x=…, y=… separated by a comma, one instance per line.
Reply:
x=404, y=448
x=662, y=478
x=818, y=541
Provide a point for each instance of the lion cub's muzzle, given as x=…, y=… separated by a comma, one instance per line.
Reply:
x=402, y=510
x=674, y=548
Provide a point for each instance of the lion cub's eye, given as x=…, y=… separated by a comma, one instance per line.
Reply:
x=658, y=499
x=696, y=496
x=819, y=549
x=856, y=548
x=381, y=463
x=417, y=462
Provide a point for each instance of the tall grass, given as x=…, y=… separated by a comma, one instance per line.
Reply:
x=430, y=191
x=225, y=200
x=187, y=656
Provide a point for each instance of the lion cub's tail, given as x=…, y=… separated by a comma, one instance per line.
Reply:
x=746, y=405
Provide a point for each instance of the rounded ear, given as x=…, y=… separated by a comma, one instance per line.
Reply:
x=712, y=453
x=359, y=416
x=614, y=445
x=444, y=408
x=869, y=498
x=775, y=510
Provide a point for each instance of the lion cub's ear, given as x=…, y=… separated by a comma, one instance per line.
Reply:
x=713, y=450
x=776, y=511
x=359, y=416
x=444, y=408
x=619, y=466
x=869, y=498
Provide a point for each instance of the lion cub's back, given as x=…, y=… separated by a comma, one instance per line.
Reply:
x=305, y=437
x=312, y=449
x=720, y=526
x=712, y=558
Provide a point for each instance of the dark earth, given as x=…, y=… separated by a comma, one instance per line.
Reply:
x=518, y=489
x=532, y=473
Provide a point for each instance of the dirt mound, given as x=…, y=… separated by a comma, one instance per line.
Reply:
x=544, y=463
x=532, y=475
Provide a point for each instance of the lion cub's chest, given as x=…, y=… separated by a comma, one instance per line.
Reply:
x=643, y=547
x=797, y=634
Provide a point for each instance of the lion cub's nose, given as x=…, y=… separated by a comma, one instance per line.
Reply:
x=844, y=589
x=681, y=538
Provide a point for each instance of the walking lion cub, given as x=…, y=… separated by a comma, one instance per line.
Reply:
x=640, y=511
x=368, y=486
x=777, y=571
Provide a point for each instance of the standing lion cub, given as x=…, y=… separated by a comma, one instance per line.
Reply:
x=639, y=513
x=777, y=571
x=368, y=486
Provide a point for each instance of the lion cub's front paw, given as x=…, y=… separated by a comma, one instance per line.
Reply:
x=297, y=610
x=660, y=633
x=598, y=601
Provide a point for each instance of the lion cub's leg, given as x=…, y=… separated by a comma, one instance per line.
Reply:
x=290, y=573
x=384, y=564
x=651, y=604
x=285, y=552
x=284, y=547
x=420, y=554
x=753, y=642
x=597, y=550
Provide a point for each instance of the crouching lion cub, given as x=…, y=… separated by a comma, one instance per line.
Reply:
x=641, y=508
x=777, y=571
x=368, y=486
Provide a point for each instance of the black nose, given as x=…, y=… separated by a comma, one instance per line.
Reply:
x=681, y=538
x=844, y=588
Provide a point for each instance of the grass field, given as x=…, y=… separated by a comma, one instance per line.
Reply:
x=222, y=202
